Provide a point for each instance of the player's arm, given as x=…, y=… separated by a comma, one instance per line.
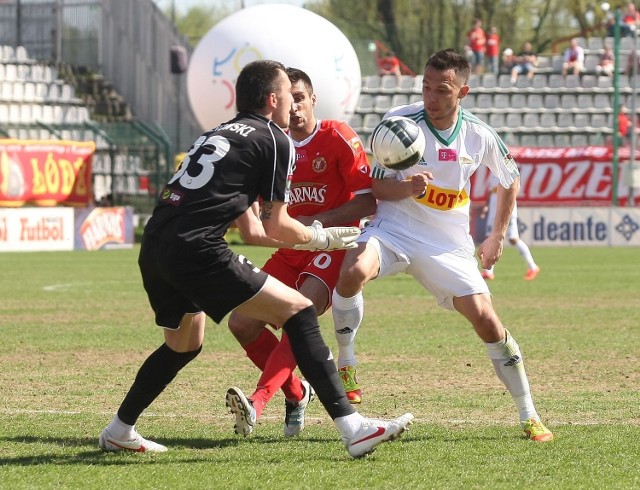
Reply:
x=361, y=206
x=280, y=226
x=390, y=189
x=252, y=231
x=490, y=249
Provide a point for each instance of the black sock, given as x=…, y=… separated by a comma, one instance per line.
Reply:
x=153, y=377
x=316, y=363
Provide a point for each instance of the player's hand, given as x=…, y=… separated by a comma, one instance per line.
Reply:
x=332, y=238
x=419, y=183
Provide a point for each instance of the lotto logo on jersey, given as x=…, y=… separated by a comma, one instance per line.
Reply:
x=443, y=199
x=447, y=155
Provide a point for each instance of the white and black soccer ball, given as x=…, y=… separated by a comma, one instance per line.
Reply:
x=397, y=143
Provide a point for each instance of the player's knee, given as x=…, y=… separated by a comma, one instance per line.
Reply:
x=244, y=332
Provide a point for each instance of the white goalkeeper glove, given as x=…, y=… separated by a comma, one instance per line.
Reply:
x=332, y=238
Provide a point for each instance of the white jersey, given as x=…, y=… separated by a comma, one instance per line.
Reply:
x=440, y=217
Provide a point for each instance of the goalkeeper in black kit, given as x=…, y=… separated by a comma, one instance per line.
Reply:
x=189, y=272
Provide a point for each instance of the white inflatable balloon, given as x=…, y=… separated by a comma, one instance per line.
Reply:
x=292, y=35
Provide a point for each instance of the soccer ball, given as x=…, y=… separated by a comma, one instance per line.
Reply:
x=398, y=143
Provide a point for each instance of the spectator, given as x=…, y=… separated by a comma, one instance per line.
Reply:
x=477, y=41
x=493, y=50
x=573, y=59
x=525, y=63
x=605, y=63
x=389, y=64
x=630, y=19
x=508, y=60
x=625, y=128
x=632, y=60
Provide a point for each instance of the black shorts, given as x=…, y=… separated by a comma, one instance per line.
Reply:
x=181, y=279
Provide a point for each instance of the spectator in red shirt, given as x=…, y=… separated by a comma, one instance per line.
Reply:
x=389, y=64
x=477, y=41
x=493, y=50
x=631, y=17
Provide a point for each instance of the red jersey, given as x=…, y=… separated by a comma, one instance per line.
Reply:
x=331, y=166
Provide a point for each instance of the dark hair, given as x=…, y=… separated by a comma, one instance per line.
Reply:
x=450, y=59
x=255, y=82
x=296, y=75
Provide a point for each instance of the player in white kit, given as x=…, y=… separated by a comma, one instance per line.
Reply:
x=421, y=227
x=513, y=235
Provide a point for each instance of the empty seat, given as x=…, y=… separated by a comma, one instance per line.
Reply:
x=582, y=120
x=598, y=120
x=579, y=139
x=601, y=101
x=584, y=101
x=562, y=140
x=604, y=82
x=501, y=101
x=355, y=121
x=417, y=85
x=504, y=81
x=513, y=120
x=528, y=139
x=564, y=119
x=489, y=80
x=388, y=83
x=474, y=81
x=371, y=83
x=547, y=120
x=531, y=120
x=382, y=103
x=468, y=102
x=413, y=98
x=539, y=80
x=399, y=99
x=555, y=80
x=370, y=121
x=589, y=81
x=535, y=101
x=406, y=83
x=545, y=140
x=365, y=103
x=572, y=81
x=497, y=119
x=518, y=101
x=484, y=101
x=591, y=61
x=568, y=101
x=595, y=43
x=551, y=101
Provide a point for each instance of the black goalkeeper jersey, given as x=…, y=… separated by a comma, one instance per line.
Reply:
x=225, y=171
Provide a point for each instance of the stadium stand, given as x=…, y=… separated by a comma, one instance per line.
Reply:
x=548, y=110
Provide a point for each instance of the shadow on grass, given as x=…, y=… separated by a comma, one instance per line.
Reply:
x=85, y=451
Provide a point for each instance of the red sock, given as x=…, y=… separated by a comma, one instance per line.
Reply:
x=278, y=373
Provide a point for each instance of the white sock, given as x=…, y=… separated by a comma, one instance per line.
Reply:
x=490, y=270
x=523, y=248
x=509, y=366
x=347, y=317
x=350, y=424
x=119, y=430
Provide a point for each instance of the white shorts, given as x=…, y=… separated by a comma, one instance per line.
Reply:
x=445, y=274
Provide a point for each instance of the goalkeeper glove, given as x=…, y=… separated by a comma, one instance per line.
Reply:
x=332, y=238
